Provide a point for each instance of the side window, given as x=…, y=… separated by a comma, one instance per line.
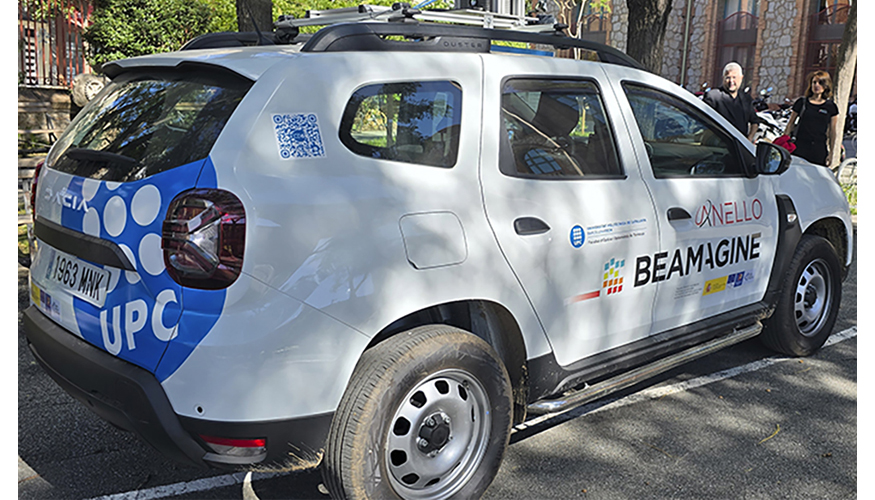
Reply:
x=681, y=141
x=411, y=122
x=556, y=129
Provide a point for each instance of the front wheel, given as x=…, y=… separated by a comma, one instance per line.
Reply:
x=809, y=303
x=426, y=415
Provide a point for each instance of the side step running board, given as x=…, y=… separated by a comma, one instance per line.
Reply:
x=592, y=392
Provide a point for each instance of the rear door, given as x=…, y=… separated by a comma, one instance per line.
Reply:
x=101, y=201
x=566, y=201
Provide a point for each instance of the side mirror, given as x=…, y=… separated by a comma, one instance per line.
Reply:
x=771, y=159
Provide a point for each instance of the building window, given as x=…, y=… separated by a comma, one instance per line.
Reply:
x=737, y=38
x=826, y=27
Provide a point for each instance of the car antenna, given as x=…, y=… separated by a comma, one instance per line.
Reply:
x=261, y=37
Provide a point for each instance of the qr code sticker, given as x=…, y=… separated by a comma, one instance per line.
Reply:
x=298, y=136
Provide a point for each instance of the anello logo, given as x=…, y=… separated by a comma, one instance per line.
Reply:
x=730, y=212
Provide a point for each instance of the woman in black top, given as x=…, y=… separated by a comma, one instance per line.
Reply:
x=818, y=119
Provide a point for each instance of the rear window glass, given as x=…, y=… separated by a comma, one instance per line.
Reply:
x=412, y=122
x=146, y=123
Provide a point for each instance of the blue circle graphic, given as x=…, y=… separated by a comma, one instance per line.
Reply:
x=578, y=236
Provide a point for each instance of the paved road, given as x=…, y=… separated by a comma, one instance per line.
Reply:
x=762, y=427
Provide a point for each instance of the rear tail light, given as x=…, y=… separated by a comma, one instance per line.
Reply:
x=39, y=167
x=203, y=238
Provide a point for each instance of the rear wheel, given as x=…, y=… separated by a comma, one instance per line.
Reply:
x=426, y=415
x=808, y=307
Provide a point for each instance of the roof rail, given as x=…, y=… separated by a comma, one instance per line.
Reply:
x=372, y=28
x=425, y=37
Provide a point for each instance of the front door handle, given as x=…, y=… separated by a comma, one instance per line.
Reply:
x=526, y=226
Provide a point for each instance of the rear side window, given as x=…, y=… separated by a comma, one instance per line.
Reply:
x=148, y=122
x=411, y=122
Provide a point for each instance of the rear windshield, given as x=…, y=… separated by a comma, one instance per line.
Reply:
x=147, y=122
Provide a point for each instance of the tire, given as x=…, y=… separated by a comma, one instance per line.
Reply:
x=808, y=306
x=85, y=87
x=426, y=415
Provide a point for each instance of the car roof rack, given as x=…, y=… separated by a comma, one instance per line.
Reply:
x=368, y=28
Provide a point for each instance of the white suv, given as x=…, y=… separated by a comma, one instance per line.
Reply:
x=381, y=248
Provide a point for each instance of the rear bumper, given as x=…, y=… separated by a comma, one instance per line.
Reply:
x=132, y=398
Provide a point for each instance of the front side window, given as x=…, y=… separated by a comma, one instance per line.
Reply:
x=555, y=129
x=149, y=121
x=681, y=141
x=412, y=122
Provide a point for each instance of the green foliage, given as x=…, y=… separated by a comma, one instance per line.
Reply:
x=850, y=190
x=599, y=5
x=41, y=10
x=127, y=28
x=223, y=15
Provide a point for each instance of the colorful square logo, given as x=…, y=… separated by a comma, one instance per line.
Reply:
x=612, y=281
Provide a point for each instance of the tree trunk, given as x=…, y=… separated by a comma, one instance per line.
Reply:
x=646, y=31
x=257, y=10
x=846, y=66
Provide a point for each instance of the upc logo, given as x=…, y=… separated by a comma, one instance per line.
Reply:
x=578, y=236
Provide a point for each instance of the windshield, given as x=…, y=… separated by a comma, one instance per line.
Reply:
x=148, y=122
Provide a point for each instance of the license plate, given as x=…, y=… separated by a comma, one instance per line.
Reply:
x=81, y=279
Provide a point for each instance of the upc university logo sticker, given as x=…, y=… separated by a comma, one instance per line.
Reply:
x=578, y=236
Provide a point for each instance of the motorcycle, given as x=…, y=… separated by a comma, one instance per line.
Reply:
x=770, y=127
x=773, y=118
x=761, y=103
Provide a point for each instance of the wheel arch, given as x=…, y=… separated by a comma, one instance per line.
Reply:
x=833, y=230
x=490, y=321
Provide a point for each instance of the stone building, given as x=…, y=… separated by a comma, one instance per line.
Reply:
x=777, y=42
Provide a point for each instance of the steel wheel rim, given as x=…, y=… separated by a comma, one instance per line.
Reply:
x=813, y=297
x=458, y=406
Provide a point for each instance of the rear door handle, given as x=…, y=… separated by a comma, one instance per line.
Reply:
x=678, y=214
x=526, y=226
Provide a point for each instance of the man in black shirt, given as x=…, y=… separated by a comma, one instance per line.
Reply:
x=735, y=106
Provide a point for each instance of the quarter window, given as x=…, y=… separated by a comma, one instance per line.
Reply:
x=680, y=141
x=412, y=122
x=556, y=129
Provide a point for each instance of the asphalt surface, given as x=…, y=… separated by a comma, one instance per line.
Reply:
x=773, y=427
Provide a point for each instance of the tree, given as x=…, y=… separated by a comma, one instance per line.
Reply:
x=128, y=28
x=846, y=67
x=259, y=11
x=647, y=21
